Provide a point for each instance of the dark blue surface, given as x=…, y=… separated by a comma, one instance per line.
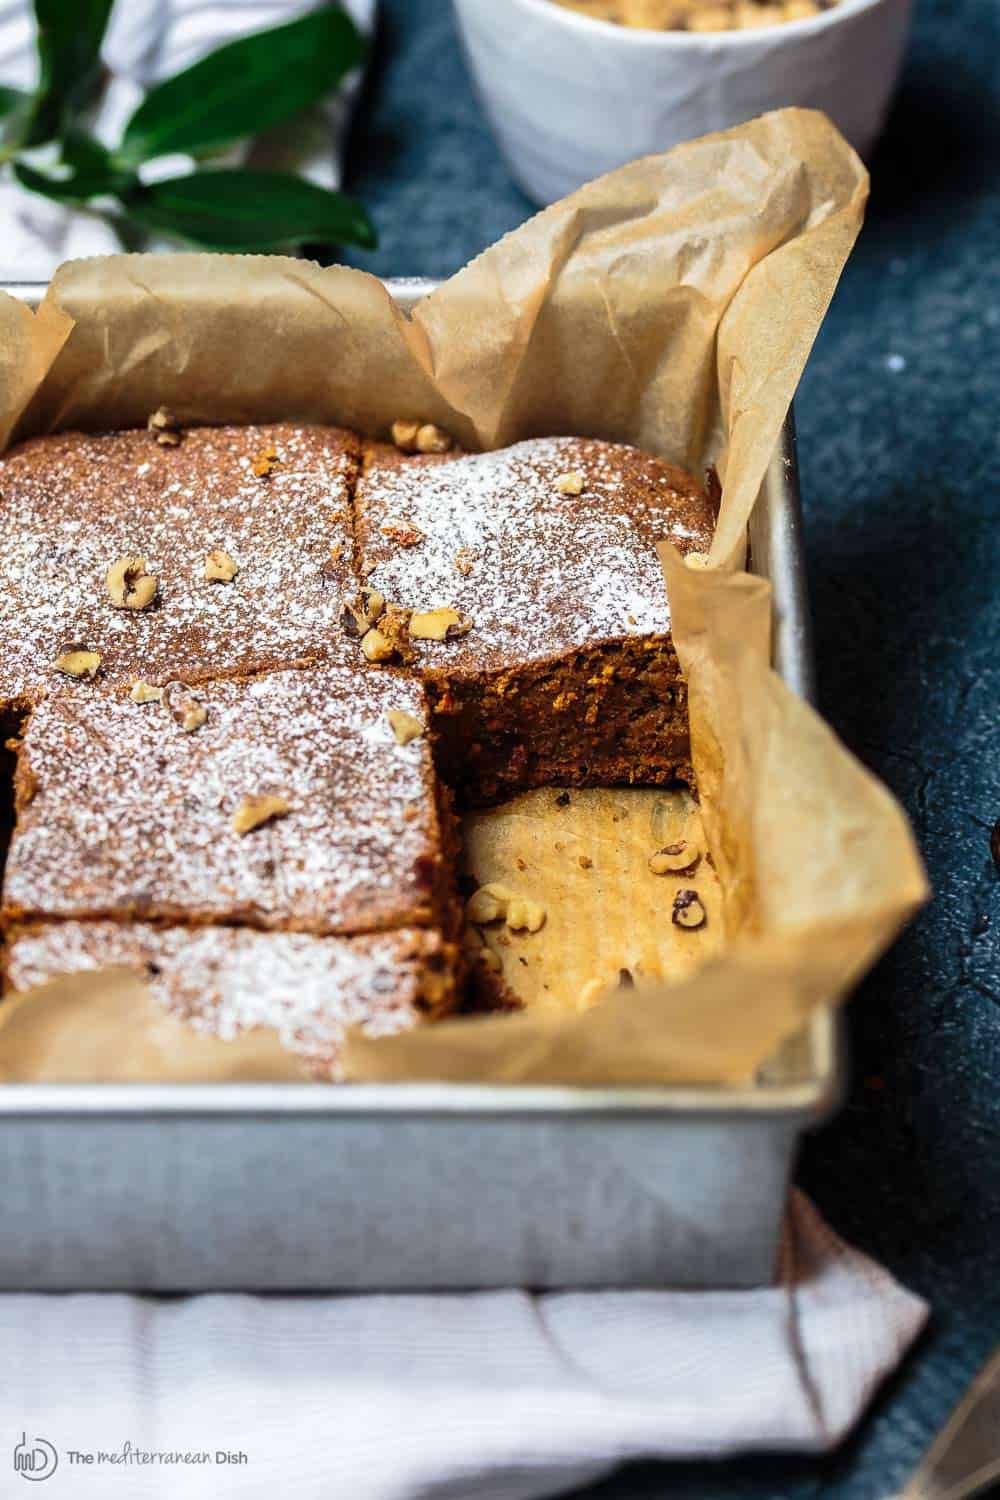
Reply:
x=899, y=428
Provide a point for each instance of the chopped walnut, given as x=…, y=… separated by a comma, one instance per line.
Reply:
x=464, y=558
x=585, y=862
x=405, y=727
x=494, y=901
x=129, y=585
x=184, y=708
x=265, y=461
x=403, y=533
x=359, y=615
x=404, y=435
x=143, y=692
x=571, y=483
x=524, y=914
x=431, y=439
x=697, y=559
x=376, y=646
x=438, y=625
x=674, y=859
x=78, y=663
x=488, y=903
x=165, y=427
x=256, y=810
x=688, y=910
x=220, y=567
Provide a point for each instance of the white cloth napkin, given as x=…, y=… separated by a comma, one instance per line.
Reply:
x=149, y=40
x=486, y=1396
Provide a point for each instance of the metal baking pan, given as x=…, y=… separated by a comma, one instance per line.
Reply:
x=177, y=1187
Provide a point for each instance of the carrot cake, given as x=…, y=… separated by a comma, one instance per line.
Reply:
x=539, y=619
x=297, y=800
x=228, y=980
x=226, y=552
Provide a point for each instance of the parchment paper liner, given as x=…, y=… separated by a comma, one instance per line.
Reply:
x=671, y=304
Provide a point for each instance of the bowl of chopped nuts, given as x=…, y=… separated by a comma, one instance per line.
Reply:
x=575, y=88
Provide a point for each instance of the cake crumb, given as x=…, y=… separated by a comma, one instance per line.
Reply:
x=265, y=461
x=143, y=692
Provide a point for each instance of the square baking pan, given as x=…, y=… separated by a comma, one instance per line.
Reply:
x=171, y=1187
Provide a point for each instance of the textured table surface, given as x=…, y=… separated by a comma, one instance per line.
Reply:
x=899, y=434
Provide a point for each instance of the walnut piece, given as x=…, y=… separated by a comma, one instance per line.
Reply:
x=143, y=692
x=253, y=811
x=571, y=483
x=524, y=915
x=129, y=585
x=431, y=439
x=494, y=901
x=405, y=727
x=464, y=558
x=78, y=663
x=438, y=625
x=377, y=647
x=358, y=615
x=220, y=567
x=688, y=910
x=184, y=708
x=404, y=435
x=165, y=427
x=697, y=559
x=674, y=859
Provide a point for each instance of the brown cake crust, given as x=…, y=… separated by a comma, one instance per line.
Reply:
x=122, y=814
x=74, y=503
x=566, y=672
x=228, y=980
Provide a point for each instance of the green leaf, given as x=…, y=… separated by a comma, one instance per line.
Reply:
x=243, y=210
x=89, y=182
x=15, y=110
x=80, y=150
x=244, y=87
x=70, y=33
x=11, y=99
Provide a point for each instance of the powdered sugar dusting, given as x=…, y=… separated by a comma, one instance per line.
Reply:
x=70, y=505
x=131, y=816
x=537, y=572
x=225, y=981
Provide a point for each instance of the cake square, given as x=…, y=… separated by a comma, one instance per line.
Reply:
x=75, y=504
x=293, y=805
x=225, y=981
x=558, y=666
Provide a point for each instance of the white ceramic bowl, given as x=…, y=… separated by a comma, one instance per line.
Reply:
x=570, y=98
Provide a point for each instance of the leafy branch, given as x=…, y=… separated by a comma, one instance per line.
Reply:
x=245, y=87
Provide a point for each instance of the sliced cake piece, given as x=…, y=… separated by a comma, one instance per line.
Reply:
x=296, y=800
x=226, y=981
x=225, y=551
x=537, y=565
